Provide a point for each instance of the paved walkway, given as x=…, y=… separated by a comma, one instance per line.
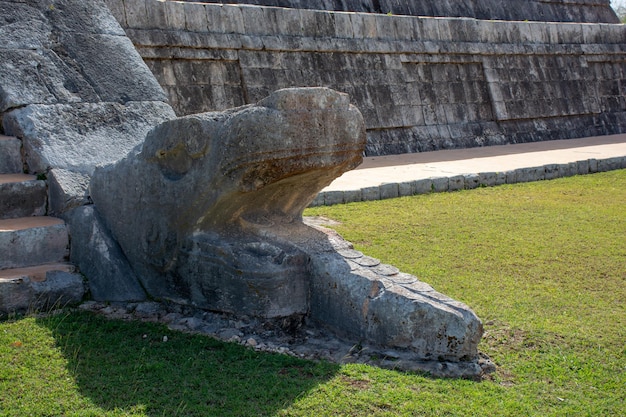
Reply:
x=398, y=175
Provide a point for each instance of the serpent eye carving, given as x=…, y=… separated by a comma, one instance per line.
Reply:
x=175, y=153
x=174, y=162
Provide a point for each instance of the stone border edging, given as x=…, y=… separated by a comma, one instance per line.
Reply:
x=469, y=181
x=269, y=336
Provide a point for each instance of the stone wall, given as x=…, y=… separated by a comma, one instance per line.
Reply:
x=422, y=83
x=71, y=108
x=589, y=11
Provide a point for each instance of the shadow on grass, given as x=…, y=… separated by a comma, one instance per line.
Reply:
x=127, y=366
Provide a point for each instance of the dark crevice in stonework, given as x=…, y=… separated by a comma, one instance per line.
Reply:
x=376, y=4
x=244, y=86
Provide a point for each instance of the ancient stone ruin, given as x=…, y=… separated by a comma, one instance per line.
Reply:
x=224, y=231
x=422, y=83
x=177, y=144
x=225, y=192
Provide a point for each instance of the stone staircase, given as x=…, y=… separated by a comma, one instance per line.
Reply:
x=34, y=248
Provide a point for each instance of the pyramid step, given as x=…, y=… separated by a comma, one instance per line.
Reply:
x=29, y=241
x=22, y=195
x=35, y=273
x=40, y=287
x=10, y=155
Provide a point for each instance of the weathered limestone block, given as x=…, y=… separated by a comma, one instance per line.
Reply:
x=67, y=190
x=32, y=240
x=361, y=297
x=100, y=258
x=120, y=77
x=456, y=183
x=86, y=16
x=79, y=136
x=68, y=52
x=351, y=196
x=440, y=184
x=370, y=193
x=333, y=197
x=16, y=294
x=389, y=191
x=10, y=155
x=59, y=289
x=20, y=72
x=209, y=213
x=21, y=26
x=22, y=198
x=56, y=289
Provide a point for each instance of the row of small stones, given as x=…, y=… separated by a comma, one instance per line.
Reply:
x=469, y=181
x=312, y=344
x=305, y=343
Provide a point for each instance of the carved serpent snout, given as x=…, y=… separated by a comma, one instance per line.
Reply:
x=208, y=179
x=267, y=160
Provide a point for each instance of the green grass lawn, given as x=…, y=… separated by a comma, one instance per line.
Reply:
x=543, y=264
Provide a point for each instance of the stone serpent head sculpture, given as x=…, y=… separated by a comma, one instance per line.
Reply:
x=189, y=206
x=209, y=212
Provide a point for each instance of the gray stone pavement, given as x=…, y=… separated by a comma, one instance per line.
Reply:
x=392, y=176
